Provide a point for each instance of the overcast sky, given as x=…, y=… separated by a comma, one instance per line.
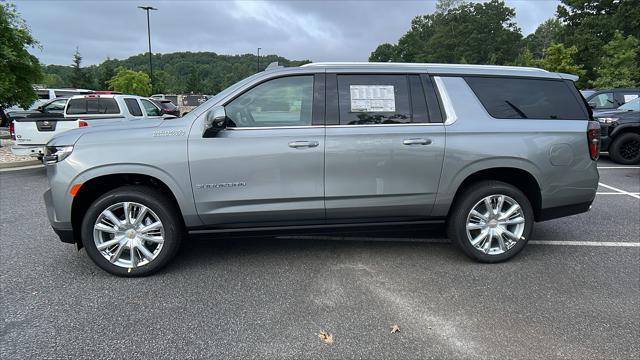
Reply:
x=303, y=29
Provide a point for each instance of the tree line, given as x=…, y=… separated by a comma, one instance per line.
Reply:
x=595, y=39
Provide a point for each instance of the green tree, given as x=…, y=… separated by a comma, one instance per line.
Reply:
x=479, y=33
x=442, y=6
x=591, y=24
x=19, y=70
x=547, y=33
x=78, y=78
x=131, y=82
x=619, y=65
x=106, y=71
x=525, y=58
x=559, y=58
x=384, y=53
x=53, y=81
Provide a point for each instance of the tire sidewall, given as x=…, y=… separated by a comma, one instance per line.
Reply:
x=614, y=149
x=149, y=198
x=469, y=199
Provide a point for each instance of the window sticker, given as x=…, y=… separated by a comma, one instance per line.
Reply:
x=372, y=98
x=629, y=97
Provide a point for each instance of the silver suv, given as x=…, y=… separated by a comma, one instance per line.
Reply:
x=488, y=149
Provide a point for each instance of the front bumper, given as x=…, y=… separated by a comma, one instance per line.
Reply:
x=64, y=230
x=28, y=150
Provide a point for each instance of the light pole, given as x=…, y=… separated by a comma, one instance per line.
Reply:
x=147, y=8
x=259, y=59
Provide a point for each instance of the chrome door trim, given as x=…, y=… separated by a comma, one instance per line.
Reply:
x=275, y=127
x=383, y=125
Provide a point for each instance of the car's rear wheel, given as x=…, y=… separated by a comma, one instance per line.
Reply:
x=131, y=231
x=491, y=221
x=625, y=149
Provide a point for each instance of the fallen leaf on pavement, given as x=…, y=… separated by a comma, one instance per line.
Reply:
x=326, y=337
x=395, y=329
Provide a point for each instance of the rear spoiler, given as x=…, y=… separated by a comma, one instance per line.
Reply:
x=566, y=76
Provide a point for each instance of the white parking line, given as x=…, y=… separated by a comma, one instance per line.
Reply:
x=620, y=191
x=618, y=167
x=585, y=243
x=615, y=193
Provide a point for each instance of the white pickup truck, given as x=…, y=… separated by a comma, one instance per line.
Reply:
x=32, y=132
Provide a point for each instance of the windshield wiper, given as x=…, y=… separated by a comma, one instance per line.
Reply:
x=515, y=108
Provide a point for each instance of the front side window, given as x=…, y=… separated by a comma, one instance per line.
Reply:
x=56, y=105
x=633, y=105
x=151, y=109
x=603, y=101
x=373, y=99
x=517, y=98
x=283, y=101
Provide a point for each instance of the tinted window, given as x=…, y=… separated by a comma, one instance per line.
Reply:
x=508, y=98
x=92, y=106
x=604, y=100
x=43, y=94
x=279, y=102
x=134, y=108
x=151, y=109
x=373, y=99
x=69, y=93
x=77, y=106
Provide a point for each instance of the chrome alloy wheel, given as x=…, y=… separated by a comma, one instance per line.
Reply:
x=495, y=224
x=128, y=234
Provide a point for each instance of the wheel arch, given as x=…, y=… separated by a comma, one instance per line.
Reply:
x=522, y=179
x=95, y=186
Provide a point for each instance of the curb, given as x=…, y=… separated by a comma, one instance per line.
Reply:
x=19, y=164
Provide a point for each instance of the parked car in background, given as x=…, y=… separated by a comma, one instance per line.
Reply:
x=620, y=132
x=44, y=95
x=610, y=99
x=587, y=92
x=488, y=149
x=34, y=131
x=166, y=106
x=48, y=107
x=185, y=103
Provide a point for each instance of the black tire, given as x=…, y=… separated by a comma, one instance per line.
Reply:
x=465, y=202
x=164, y=209
x=625, y=149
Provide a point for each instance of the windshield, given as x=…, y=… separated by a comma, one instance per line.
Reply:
x=633, y=105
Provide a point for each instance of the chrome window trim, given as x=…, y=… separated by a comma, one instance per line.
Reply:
x=273, y=127
x=383, y=125
x=450, y=112
x=329, y=126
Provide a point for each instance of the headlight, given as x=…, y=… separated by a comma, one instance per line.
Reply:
x=607, y=120
x=56, y=154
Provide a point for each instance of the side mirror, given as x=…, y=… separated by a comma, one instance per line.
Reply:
x=215, y=120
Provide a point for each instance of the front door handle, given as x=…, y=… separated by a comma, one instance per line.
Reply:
x=303, y=144
x=416, y=141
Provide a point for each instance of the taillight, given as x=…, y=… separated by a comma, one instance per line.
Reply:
x=82, y=123
x=593, y=139
x=12, y=130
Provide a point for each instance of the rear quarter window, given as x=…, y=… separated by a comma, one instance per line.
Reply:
x=92, y=106
x=511, y=98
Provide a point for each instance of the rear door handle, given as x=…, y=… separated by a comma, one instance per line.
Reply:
x=303, y=144
x=416, y=141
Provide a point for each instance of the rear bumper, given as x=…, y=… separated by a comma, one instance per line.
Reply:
x=562, y=211
x=64, y=230
x=30, y=150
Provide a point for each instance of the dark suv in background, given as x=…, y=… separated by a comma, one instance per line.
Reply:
x=609, y=99
x=620, y=132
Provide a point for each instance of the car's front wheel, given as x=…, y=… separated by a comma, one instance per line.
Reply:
x=491, y=221
x=625, y=149
x=131, y=231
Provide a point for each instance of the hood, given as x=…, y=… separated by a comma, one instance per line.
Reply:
x=609, y=113
x=72, y=136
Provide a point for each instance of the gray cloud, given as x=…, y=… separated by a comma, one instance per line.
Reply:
x=315, y=30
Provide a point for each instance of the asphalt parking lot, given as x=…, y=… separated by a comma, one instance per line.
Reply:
x=574, y=292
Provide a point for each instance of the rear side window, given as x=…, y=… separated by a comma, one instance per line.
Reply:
x=92, y=106
x=134, y=108
x=510, y=98
x=603, y=101
x=374, y=99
